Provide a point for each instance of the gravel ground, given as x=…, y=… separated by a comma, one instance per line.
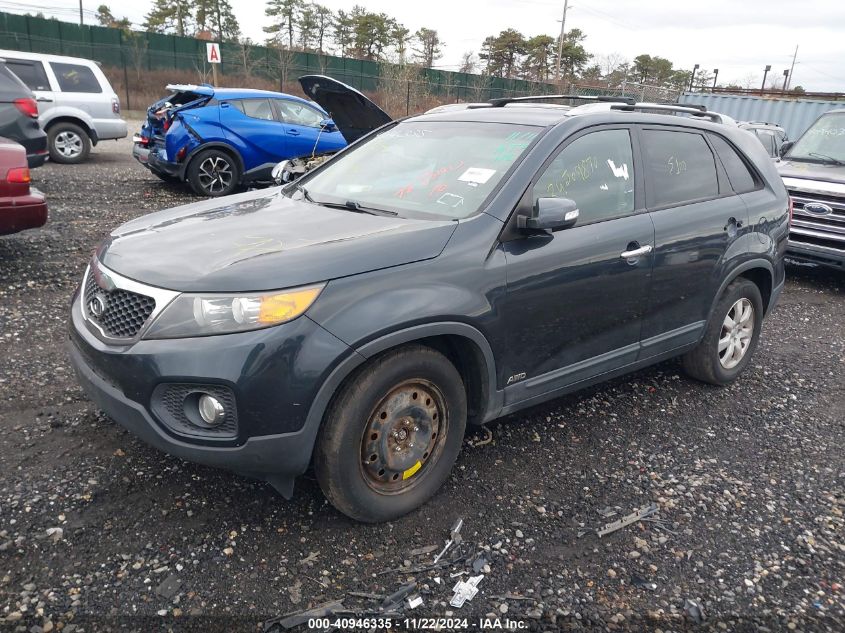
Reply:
x=100, y=532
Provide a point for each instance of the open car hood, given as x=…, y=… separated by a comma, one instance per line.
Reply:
x=353, y=113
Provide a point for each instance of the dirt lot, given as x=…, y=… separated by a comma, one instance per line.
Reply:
x=750, y=478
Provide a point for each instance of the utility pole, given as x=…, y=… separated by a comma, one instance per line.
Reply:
x=81, y=21
x=715, y=77
x=791, y=69
x=560, y=41
x=785, y=78
x=692, y=76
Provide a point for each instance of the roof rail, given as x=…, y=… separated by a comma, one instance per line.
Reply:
x=695, y=110
x=503, y=101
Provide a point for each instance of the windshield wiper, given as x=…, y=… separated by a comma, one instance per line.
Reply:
x=305, y=194
x=830, y=159
x=357, y=207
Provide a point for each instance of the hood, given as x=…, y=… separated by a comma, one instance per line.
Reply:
x=262, y=240
x=811, y=171
x=353, y=113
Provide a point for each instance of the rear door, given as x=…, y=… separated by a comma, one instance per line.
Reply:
x=697, y=219
x=251, y=125
x=79, y=87
x=33, y=74
x=574, y=303
x=303, y=132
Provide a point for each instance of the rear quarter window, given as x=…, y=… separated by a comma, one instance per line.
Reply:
x=75, y=78
x=742, y=178
x=680, y=167
x=9, y=82
x=30, y=72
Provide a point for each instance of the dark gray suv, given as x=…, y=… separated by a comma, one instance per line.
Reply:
x=444, y=270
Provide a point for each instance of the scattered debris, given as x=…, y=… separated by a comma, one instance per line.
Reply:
x=511, y=596
x=694, y=611
x=607, y=512
x=628, y=519
x=295, y=619
x=169, y=587
x=488, y=437
x=394, y=601
x=465, y=590
x=421, y=551
x=311, y=558
x=437, y=580
x=637, y=581
x=454, y=538
x=55, y=534
x=479, y=563
x=415, y=601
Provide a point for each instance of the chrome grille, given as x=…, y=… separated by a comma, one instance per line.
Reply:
x=825, y=230
x=123, y=312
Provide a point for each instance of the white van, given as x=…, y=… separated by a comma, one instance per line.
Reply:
x=77, y=106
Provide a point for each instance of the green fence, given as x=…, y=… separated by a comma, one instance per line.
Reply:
x=139, y=52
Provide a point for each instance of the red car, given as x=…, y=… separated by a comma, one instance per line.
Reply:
x=20, y=207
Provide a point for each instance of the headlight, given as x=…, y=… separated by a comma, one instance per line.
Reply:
x=203, y=314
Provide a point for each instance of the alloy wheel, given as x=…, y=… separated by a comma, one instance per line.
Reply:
x=68, y=144
x=736, y=334
x=215, y=174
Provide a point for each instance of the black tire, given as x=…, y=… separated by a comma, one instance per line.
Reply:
x=403, y=382
x=213, y=173
x=68, y=143
x=704, y=362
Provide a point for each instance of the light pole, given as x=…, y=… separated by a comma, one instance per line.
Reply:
x=765, y=72
x=715, y=77
x=560, y=41
x=785, y=78
x=692, y=76
x=81, y=22
x=792, y=68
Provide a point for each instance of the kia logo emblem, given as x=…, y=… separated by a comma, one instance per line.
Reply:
x=817, y=208
x=97, y=305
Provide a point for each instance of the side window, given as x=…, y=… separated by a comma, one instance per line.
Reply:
x=75, y=78
x=596, y=171
x=680, y=167
x=742, y=179
x=767, y=138
x=298, y=113
x=256, y=108
x=30, y=72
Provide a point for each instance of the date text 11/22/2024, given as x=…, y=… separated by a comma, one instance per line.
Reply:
x=418, y=624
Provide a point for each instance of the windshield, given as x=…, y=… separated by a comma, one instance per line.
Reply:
x=440, y=170
x=823, y=142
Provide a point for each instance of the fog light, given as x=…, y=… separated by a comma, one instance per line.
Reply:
x=212, y=411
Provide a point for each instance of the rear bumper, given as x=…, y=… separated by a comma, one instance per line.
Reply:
x=36, y=148
x=23, y=212
x=163, y=166
x=816, y=254
x=110, y=129
x=141, y=153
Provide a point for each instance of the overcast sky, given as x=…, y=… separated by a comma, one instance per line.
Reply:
x=738, y=38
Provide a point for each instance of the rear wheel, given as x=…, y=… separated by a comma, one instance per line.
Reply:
x=68, y=143
x=731, y=336
x=214, y=173
x=392, y=435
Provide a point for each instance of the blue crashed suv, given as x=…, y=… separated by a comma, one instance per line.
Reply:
x=217, y=139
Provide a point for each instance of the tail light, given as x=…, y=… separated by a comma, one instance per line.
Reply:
x=115, y=105
x=180, y=155
x=19, y=175
x=166, y=125
x=791, y=206
x=28, y=106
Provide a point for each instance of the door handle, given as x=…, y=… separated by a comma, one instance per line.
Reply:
x=642, y=250
x=293, y=132
x=44, y=100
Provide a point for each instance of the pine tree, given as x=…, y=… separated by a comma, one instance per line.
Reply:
x=169, y=16
x=284, y=14
x=210, y=13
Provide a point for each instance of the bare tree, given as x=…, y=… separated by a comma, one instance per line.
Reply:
x=610, y=62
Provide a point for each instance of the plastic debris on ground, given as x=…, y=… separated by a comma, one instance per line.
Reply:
x=465, y=591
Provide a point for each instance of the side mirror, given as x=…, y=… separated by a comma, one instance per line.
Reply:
x=786, y=147
x=550, y=214
x=328, y=125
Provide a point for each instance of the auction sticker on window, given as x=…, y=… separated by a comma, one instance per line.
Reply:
x=477, y=175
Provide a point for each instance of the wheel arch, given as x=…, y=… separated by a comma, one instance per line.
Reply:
x=65, y=118
x=218, y=145
x=758, y=271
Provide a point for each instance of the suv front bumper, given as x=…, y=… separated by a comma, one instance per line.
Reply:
x=273, y=384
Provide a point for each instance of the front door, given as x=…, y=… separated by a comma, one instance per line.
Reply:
x=303, y=129
x=574, y=302
x=252, y=127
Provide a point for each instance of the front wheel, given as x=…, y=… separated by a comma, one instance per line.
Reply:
x=392, y=435
x=213, y=173
x=731, y=335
